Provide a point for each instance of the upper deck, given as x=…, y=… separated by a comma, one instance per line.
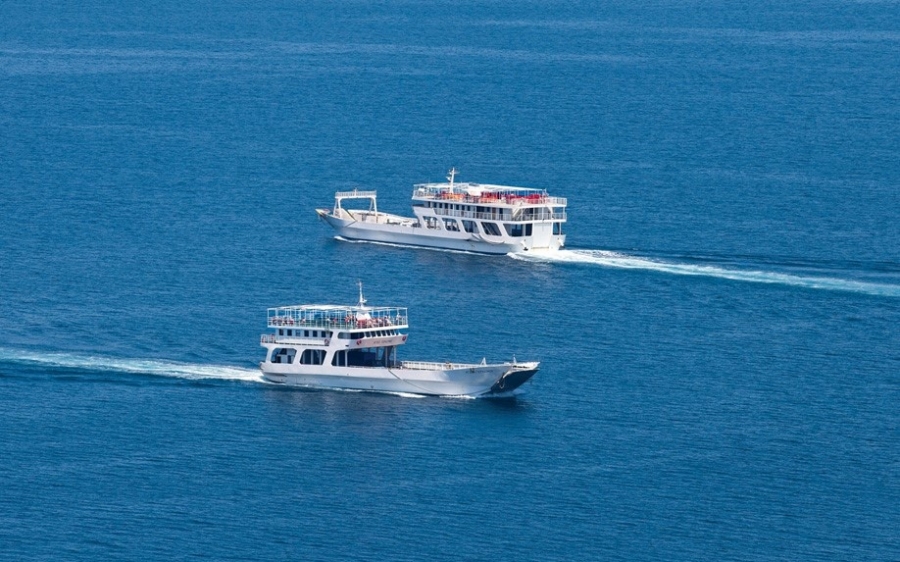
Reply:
x=485, y=194
x=336, y=317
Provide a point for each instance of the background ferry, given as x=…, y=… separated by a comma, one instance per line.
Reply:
x=490, y=219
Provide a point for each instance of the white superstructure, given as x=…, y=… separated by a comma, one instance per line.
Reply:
x=491, y=219
x=355, y=347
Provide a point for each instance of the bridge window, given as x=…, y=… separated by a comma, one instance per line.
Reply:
x=283, y=355
x=312, y=357
x=490, y=228
x=514, y=229
x=340, y=358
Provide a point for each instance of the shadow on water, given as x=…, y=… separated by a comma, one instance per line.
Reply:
x=381, y=409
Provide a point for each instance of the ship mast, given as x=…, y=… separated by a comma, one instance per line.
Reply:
x=362, y=300
x=450, y=177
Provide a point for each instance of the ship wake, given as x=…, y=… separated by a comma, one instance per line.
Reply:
x=746, y=272
x=152, y=367
x=67, y=362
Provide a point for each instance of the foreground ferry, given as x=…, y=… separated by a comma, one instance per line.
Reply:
x=355, y=347
x=490, y=219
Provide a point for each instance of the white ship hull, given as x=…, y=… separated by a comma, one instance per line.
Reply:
x=488, y=219
x=411, y=377
x=355, y=348
x=391, y=233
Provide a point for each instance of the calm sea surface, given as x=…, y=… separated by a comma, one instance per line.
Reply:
x=720, y=342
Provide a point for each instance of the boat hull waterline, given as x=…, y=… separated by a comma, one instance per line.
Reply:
x=416, y=237
x=465, y=380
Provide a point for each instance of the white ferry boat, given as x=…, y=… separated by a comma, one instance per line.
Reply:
x=355, y=347
x=490, y=219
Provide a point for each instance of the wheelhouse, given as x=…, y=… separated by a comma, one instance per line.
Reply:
x=342, y=336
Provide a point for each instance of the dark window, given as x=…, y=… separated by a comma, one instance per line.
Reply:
x=514, y=229
x=339, y=359
x=451, y=225
x=283, y=355
x=470, y=226
x=313, y=357
x=490, y=228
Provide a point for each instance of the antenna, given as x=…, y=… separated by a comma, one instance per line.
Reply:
x=362, y=300
x=451, y=176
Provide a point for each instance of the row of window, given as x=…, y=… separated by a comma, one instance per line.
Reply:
x=370, y=357
x=525, y=214
x=489, y=228
x=341, y=335
x=304, y=333
x=375, y=357
x=373, y=334
x=308, y=357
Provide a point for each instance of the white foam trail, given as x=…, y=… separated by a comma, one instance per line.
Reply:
x=155, y=367
x=624, y=261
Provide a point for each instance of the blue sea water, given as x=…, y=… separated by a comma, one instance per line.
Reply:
x=720, y=347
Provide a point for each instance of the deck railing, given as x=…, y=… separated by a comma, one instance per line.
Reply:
x=287, y=322
x=354, y=193
x=490, y=199
x=505, y=215
x=433, y=366
x=334, y=318
x=272, y=338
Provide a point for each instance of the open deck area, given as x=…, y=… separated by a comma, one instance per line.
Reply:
x=481, y=194
x=337, y=317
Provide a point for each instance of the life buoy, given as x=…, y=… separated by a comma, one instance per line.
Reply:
x=404, y=338
x=358, y=342
x=327, y=341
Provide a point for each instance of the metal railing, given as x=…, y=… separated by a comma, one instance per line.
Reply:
x=336, y=317
x=335, y=324
x=490, y=199
x=354, y=193
x=272, y=338
x=432, y=366
x=505, y=215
